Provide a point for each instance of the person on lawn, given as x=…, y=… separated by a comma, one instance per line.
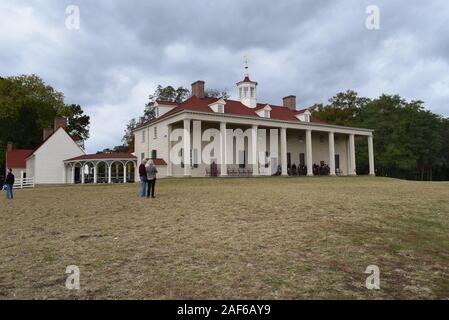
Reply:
x=9, y=183
x=151, y=177
x=143, y=179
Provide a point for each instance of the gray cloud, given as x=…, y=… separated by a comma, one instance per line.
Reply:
x=309, y=48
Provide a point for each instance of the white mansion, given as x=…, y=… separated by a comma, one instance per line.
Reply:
x=244, y=136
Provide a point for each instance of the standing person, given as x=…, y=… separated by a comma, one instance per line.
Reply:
x=151, y=176
x=143, y=179
x=9, y=182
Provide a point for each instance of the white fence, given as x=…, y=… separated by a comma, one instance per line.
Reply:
x=22, y=183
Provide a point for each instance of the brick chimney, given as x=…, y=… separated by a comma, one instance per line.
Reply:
x=46, y=133
x=60, y=122
x=290, y=102
x=10, y=147
x=198, y=89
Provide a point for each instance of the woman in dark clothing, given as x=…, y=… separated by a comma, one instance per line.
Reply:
x=143, y=179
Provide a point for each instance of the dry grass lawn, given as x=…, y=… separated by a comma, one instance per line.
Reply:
x=249, y=238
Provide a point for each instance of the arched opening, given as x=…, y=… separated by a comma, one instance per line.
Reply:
x=77, y=172
x=130, y=171
x=102, y=172
x=88, y=171
x=117, y=172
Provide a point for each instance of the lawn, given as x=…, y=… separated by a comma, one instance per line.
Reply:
x=249, y=238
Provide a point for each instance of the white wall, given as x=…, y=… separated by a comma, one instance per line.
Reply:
x=48, y=159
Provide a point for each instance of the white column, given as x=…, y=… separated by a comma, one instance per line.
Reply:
x=110, y=173
x=186, y=151
x=169, y=167
x=352, y=172
x=124, y=173
x=309, y=152
x=223, y=150
x=332, y=153
x=371, y=156
x=82, y=172
x=284, y=151
x=73, y=173
x=95, y=173
x=254, y=150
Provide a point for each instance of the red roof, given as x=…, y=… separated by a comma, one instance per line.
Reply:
x=234, y=107
x=102, y=156
x=17, y=158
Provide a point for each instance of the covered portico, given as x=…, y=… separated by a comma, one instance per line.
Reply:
x=309, y=143
x=100, y=168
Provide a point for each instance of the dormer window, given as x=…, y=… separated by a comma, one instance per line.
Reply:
x=156, y=112
x=218, y=106
x=304, y=117
x=265, y=112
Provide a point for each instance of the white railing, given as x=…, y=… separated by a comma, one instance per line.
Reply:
x=22, y=183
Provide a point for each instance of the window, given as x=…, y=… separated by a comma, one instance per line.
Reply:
x=143, y=135
x=245, y=92
x=302, y=159
x=220, y=108
x=195, y=158
x=155, y=133
x=242, y=159
x=241, y=93
x=153, y=154
x=321, y=138
x=267, y=159
x=182, y=158
x=156, y=112
x=306, y=118
x=142, y=156
x=253, y=91
x=337, y=161
x=266, y=113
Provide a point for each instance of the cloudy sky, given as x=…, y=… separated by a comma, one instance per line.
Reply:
x=124, y=49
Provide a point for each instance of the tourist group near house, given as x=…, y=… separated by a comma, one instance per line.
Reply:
x=199, y=137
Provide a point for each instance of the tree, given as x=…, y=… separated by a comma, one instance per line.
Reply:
x=116, y=149
x=408, y=140
x=27, y=105
x=342, y=109
x=128, y=137
x=167, y=94
x=77, y=121
x=217, y=93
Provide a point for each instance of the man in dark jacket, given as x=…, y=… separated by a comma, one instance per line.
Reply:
x=9, y=183
x=143, y=179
